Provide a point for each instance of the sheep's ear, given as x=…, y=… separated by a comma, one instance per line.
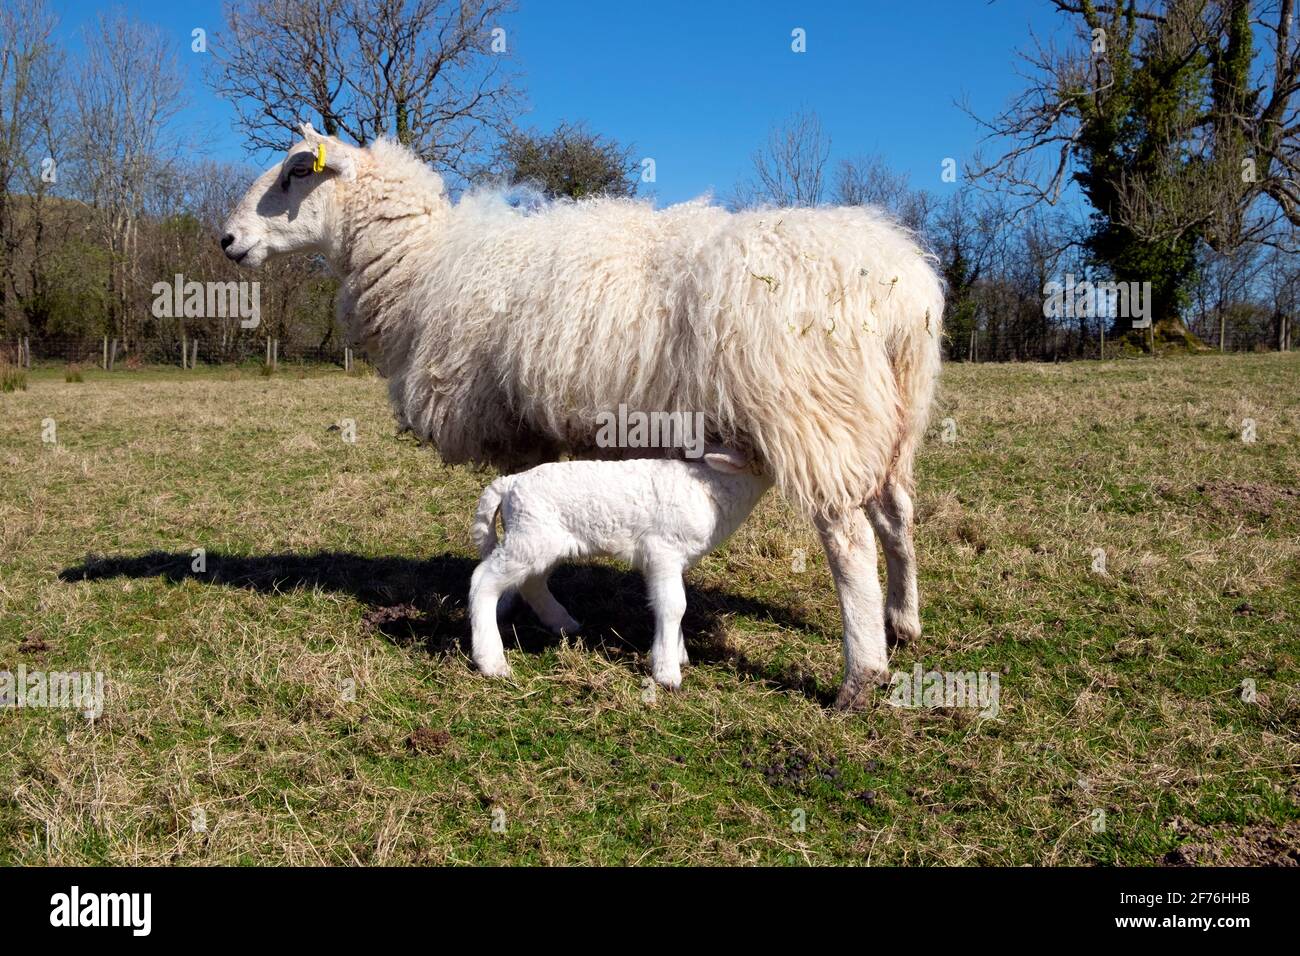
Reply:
x=330, y=153
x=726, y=461
x=336, y=157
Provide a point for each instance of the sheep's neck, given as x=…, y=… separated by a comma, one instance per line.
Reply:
x=383, y=237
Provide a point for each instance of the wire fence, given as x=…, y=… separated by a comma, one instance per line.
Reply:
x=111, y=353
x=1055, y=343
x=1066, y=343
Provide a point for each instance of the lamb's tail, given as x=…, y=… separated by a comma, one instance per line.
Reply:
x=484, y=528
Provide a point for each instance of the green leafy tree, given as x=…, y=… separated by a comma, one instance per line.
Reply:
x=1155, y=115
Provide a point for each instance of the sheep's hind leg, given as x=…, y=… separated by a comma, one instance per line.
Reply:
x=548, y=610
x=891, y=516
x=668, y=598
x=851, y=552
x=491, y=578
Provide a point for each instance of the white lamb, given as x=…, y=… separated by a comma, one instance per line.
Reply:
x=659, y=515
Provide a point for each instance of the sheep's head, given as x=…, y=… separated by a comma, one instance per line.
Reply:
x=290, y=208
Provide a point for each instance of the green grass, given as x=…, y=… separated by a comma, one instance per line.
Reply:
x=277, y=693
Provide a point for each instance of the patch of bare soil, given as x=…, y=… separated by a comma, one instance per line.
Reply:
x=1249, y=497
x=1230, y=845
x=378, y=618
x=33, y=644
x=426, y=740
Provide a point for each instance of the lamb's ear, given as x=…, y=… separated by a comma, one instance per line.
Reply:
x=727, y=461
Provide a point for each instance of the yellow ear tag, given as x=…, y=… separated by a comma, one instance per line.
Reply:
x=319, y=164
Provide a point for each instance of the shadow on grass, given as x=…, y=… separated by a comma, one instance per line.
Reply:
x=422, y=603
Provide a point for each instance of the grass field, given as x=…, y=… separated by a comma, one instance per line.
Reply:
x=308, y=699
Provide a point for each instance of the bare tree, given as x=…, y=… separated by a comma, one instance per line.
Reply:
x=433, y=74
x=790, y=169
x=128, y=92
x=29, y=94
x=571, y=161
x=869, y=181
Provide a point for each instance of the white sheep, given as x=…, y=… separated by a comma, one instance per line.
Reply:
x=807, y=338
x=659, y=515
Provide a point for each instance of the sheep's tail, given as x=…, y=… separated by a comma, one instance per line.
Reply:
x=484, y=528
x=915, y=359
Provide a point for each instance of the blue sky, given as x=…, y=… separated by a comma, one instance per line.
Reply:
x=697, y=85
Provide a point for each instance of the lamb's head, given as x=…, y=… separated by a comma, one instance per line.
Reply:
x=292, y=206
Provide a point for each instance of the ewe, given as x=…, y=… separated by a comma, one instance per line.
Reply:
x=807, y=338
x=659, y=516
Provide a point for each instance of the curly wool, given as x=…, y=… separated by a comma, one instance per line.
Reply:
x=809, y=337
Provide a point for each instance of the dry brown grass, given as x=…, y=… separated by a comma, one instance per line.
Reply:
x=308, y=699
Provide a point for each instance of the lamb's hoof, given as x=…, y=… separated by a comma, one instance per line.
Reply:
x=568, y=626
x=858, y=690
x=493, y=668
x=901, y=633
x=668, y=680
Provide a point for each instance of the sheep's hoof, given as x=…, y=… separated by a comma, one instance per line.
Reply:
x=901, y=633
x=858, y=690
x=569, y=627
x=493, y=668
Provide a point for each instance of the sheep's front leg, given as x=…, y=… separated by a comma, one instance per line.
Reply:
x=668, y=598
x=851, y=552
x=891, y=516
x=490, y=580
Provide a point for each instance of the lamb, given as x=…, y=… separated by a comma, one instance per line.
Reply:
x=659, y=515
x=806, y=338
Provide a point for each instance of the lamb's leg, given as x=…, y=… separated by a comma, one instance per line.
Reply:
x=851, y=552
x=681, y=648
x=506, y=603
x=891, y=516
x=668, y=598
x=491, y=578
x=548, y=610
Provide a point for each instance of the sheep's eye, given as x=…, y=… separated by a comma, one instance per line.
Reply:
x=300, y=171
